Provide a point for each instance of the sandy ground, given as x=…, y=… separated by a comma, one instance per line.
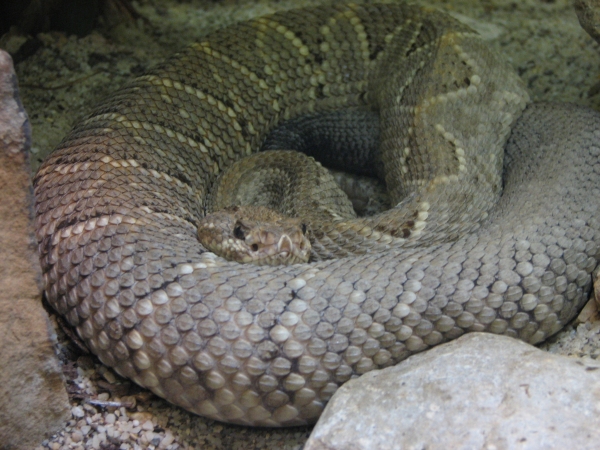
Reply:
x=67, y=75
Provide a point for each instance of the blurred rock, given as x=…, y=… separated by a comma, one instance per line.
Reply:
x=588, y=13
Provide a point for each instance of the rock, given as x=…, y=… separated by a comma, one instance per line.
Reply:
x=77, y=412
x=588, y=13
x=33, y=400
x=77, y=436
x=480, y=391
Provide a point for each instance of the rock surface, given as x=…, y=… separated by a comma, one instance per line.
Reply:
x=33, y=400
x=588, y=13
x=481, y=391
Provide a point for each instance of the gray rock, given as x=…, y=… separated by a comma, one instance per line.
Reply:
x=481, y=391
x=588, y=13
x=33, y=400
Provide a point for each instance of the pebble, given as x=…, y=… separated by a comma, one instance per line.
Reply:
x=141, y=417
x=77, y=436
x=109, y=376
x=166, y=441
x=90, y=408
x=77, y=412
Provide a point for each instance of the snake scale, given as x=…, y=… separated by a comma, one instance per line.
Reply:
x=118, y=202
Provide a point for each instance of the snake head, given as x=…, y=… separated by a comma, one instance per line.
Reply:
x=255, y=234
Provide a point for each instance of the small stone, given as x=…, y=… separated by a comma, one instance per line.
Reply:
x=110, y=418
x=131, y=400
x=89, y=408
x=148, y=425
x=109, y=376
x=77, y=412
x=141, y=417
x=166, y=441
x=153, y=439
x=76, y=436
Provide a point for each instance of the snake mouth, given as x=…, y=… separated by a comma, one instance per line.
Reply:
x=275, y=246
x=256, y=235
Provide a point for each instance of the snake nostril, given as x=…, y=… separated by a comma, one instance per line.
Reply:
x=254, y=247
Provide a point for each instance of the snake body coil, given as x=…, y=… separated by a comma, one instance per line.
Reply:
x=118, y=202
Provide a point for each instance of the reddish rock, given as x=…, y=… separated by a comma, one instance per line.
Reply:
x=33, y=400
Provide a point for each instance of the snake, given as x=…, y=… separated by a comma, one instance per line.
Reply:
x=493, y=226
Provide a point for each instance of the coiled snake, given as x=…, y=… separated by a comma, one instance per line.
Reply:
x=119, y=200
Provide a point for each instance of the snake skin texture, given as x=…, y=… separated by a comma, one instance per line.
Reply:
x=118, y=202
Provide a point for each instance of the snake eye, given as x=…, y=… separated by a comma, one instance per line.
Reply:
x=303, y=226
x=238, y=232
